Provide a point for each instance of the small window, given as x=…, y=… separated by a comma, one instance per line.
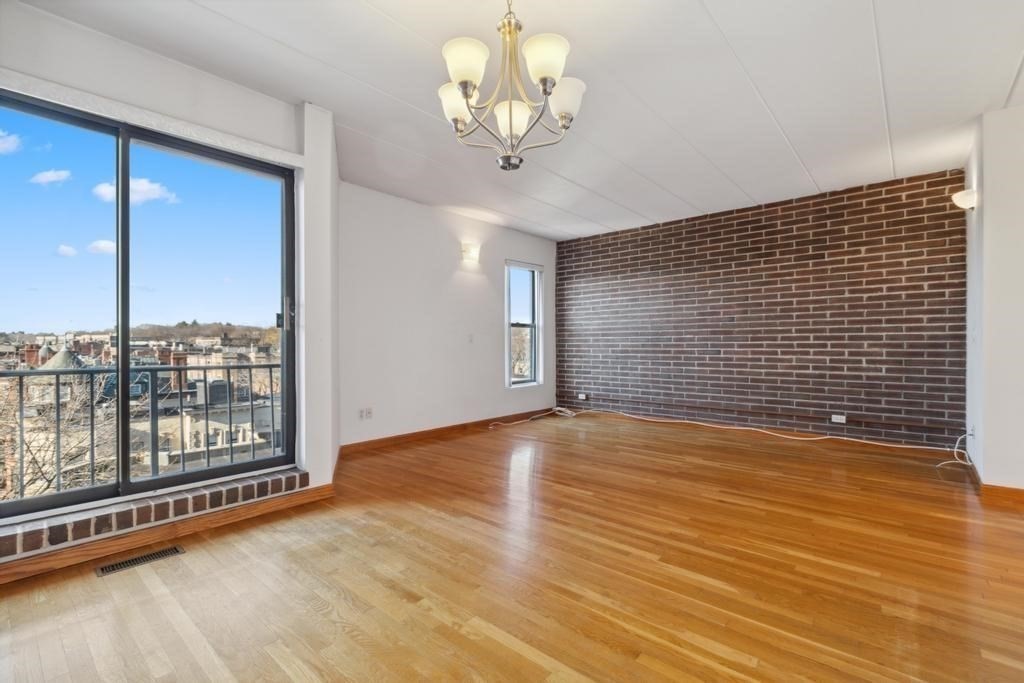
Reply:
x=522, y=315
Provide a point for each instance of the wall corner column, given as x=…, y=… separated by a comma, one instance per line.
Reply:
x=316, y=319
x=995, y=324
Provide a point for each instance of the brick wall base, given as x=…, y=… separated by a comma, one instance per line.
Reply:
x=850, y=302
x=18, y=541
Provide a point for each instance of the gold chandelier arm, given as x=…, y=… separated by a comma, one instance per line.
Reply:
x=489, y=103
x=536, y=119
x=517, y=75
x=546, y=143
x=481, y=124
x=478, y=121
x=493, y=148
x=550, y=129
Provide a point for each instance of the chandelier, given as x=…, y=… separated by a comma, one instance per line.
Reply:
x=515, y=113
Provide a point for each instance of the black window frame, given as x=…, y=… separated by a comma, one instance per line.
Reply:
x=533, y=326
x=124, y=134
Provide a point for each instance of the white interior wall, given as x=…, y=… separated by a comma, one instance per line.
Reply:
x=66, y=64
x=996, y=341
x=53, y=49
x=421, y=331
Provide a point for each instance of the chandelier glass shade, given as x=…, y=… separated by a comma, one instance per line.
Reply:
x=517, y=115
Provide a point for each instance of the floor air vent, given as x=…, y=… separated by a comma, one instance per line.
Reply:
x=136, y=561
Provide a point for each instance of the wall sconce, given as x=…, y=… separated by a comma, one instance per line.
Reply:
x=966, y=199
x=471, y=252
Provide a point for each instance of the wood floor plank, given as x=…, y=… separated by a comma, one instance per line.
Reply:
x=594, y=548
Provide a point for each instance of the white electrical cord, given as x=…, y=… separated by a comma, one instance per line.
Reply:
x=565, y=412
x=957, y=460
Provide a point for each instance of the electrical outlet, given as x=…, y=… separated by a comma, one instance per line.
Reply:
x=839, y=419
x=581, y=396
x=362, y=414
x=369, y=413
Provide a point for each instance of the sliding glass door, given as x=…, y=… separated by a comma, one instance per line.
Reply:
x=147, y=338
x=58, y=415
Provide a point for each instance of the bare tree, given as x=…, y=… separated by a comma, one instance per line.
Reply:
x=522, y=352
x=32, y=429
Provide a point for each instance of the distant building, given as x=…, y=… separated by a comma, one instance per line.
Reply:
x=65, y=359
x=46, y=353
x=208, y=342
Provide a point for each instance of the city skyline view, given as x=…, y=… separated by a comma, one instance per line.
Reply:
x=206, y=238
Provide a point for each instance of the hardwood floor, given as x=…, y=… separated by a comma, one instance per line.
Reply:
x=566, y=549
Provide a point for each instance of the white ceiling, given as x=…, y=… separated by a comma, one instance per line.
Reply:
x=692, y=106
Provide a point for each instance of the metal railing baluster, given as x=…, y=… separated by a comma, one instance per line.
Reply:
x=154, y=425
x=273, y=425
x=56, y=429
x=92, y=429
x=181, y=418
x=206, y=414
x=252, y=420
x=231, y=423
x=21, y=437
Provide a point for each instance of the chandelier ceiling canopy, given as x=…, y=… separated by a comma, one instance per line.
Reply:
x=515, y=113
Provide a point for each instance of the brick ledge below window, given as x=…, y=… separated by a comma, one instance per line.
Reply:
x=60, y=531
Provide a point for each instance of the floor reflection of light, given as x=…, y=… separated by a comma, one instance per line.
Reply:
x=520, y=497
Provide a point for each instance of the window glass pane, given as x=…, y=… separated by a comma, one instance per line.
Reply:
x=206, y=242
x=58, y=416
x=520, y=293
x=522, y=354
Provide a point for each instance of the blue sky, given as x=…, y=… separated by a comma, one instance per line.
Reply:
x=206, y=238
x=520, y=295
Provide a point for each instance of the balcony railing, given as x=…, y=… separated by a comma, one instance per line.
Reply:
x=59, y=427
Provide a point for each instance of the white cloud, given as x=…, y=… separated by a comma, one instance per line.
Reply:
x=102, y=247
x=65, y=250
x=44, y=147
x=9, y=142
x=51, y=176
x=107, y=192
x=140, y=191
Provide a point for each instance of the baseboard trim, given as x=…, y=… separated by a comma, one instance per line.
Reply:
x=1003, y=494
x=972, y=474
x=92, y=550
x=450, y=430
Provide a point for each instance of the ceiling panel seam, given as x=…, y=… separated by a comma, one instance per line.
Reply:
x=881, y=85
x=396, y=22
x=339, y=70
x=1015, y=82
x=643, y=176
x=437, y=163
x=668, y=124
x=297, y=51
x=760, y=97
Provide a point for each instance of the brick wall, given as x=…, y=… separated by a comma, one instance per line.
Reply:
x=848, y=302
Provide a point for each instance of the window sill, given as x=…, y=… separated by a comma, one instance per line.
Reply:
x=520, y=385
